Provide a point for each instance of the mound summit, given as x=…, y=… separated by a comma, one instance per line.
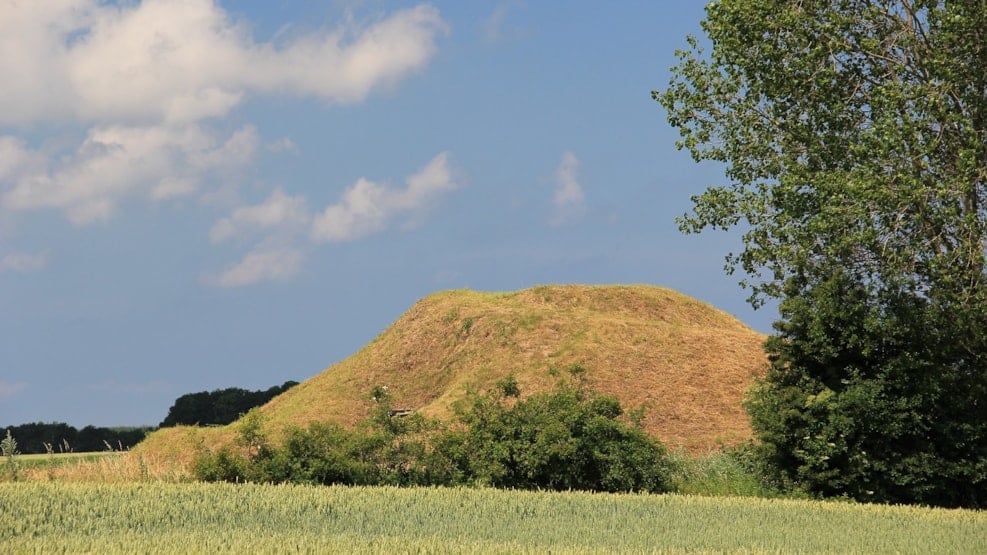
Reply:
x=686, y=362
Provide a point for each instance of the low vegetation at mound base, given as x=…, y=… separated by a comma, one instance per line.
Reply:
x=570, y=439
x=687, y=364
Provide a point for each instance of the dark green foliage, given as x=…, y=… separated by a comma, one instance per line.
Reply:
x=219, y=407
x=326, y=454
x=853, y=134
x=222, y=466
x=563, y=440
x=35, y=437
x=382, y=451
x=559, y=441
x=872, y=401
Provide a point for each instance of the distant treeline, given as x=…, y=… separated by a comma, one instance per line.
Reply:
x=219, y=407
x=38, y=437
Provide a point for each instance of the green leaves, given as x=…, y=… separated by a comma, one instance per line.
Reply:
x=843, y=127
x=854, y=135
x=563, y=440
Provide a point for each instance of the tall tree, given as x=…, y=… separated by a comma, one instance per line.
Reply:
x=854, y=137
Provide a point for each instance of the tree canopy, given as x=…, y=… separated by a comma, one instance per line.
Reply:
x=854, y=139
x=59, y=437
x=220, y=406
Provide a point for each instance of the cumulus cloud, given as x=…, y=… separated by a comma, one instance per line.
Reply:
x=569, y=202
x=181, y=61
x=8, y=389
x=23, y=262
x=147, y=79
x=131, y=96
x=16, y=158
x=368, y=207
x=347, y=70
x=279, y=212
x=284, y=221
x=266, y=262
x=116, y=161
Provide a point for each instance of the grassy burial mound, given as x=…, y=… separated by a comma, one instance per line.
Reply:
x=686, y=362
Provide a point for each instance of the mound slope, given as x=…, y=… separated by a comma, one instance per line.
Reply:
x=688, y=363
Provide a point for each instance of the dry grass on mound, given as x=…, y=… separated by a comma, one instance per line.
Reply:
x=686, y=362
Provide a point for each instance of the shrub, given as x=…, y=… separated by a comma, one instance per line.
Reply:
x=874, y=403
x=563, y=440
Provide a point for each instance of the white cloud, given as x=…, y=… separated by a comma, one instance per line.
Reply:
x=336, y=69
x=182, y=61
x=14, y=157
x=284, y=144
x=117, y=161
x=145, y=81
x=363, y=210
x=569, y=202
x=493, y=26
x=282, y=219
x=8, y=389
x=23, y=262
x=235, y=152
x=368, y=207
x=279, y=211
x=264, y=263
x=145, y=77
x=171, y=187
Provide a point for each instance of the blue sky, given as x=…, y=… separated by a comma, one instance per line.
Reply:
x=198, y=195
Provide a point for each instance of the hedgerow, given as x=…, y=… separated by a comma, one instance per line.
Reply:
x=568, y=439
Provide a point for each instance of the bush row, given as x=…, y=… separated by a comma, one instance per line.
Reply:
x=569, y=439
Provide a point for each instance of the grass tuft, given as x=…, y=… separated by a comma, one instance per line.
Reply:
x=726, y=472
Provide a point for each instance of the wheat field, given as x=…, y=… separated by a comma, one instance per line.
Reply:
x=46, y=517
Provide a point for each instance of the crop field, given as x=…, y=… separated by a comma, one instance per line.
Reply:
x=58, y=459
x=155, y=517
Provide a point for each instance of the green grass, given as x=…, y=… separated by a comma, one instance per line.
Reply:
x=723, y=472
x=226, y=518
